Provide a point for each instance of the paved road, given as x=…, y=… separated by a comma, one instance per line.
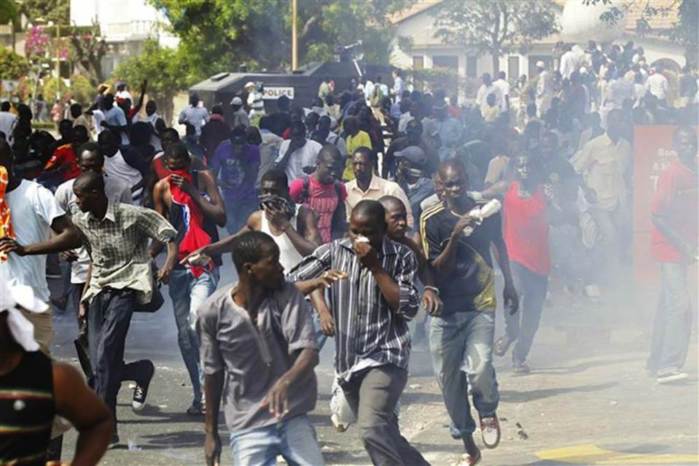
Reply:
x=588, y=400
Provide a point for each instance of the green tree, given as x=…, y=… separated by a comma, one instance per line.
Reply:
x=57, y=11
x=87, y=48
x=496, y=27
x=163, y=69
x=12, y=65
x=219, y=35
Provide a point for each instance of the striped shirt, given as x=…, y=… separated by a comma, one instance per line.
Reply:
x=368, y=332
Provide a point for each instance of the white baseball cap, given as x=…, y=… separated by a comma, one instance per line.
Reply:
x=12, y=299
x=540, y=64
x=237, y=101
x=249, y=84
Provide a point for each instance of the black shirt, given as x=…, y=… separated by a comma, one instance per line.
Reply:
x=470, y=286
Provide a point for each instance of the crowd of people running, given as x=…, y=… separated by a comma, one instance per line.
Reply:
x=346, y=219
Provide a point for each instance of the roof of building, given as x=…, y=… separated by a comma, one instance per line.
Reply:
x=660, y=15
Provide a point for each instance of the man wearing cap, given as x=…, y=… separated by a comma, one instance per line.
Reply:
x=254, y=101
x=34, y=390
x=194, y=114
x=240, y=116
x=544, y=88
x=412, y=178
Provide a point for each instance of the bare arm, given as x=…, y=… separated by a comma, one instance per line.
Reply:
x=90, y=416
x=67, y=237
x=213, y=387
x=308, y=242
x=214, y=207
x=276, y=398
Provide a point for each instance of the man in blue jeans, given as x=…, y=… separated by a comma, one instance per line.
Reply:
x=191, y=201
x=461, y=338
x=259, y=351
x=674, y=245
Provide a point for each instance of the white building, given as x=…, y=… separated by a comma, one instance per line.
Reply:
x=125, y=25
x=578, y=23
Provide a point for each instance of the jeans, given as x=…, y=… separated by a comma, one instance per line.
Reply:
x=522, y=326
x=461, y=344
x=294, y=439
x=672, y=326
x=372, y=395
x=188, y=293
x=237, y=213
x=109, y=318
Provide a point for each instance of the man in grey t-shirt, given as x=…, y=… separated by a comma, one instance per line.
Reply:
x=258, y=338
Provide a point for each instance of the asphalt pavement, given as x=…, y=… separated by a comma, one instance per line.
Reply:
x=587, y=401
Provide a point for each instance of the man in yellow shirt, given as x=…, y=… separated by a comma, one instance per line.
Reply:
x=355, y=139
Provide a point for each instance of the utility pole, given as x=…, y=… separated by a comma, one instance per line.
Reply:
x=294, y=38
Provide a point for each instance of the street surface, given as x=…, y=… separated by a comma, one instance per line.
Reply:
x=587, y=401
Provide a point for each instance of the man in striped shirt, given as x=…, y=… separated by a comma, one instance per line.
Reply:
x=370, y=310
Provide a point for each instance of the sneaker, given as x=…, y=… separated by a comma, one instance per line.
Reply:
x=140, y=393
x=473, y=453
x=502, y=345
x=196, y=409
x=490, y=431
x=520, y=368
x=339, y=426
x=114, y=442
x=672, y=376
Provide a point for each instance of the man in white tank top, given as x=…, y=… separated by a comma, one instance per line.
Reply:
x=128, y=170
x=293, y=228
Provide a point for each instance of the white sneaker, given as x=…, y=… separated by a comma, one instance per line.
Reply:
x=669, y=377
x=490, y=431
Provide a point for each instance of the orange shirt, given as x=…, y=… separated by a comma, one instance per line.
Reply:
x=64, y=156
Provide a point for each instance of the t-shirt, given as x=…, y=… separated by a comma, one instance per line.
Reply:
x=676, y=199
x=195, y=116
x=322, y=199
x=470, y=286
x=64, y=156
x=305, y=157
x=236, y=173
x=253, y=357
x=361, y=139
x=526, y=229
x=33, y=210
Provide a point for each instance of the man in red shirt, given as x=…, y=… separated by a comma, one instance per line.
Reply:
x=526, y=232
x=323, y=193
x=63, y=164
x=674, y=245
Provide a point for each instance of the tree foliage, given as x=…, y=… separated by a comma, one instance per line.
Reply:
x=8, y=11
x=12, y=65
x=57, y=11
x=684, y=30
x=218, y=35
x=163, y=69
x=496, y=27
x=87, y=50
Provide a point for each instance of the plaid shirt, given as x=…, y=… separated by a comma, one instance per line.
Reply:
x=118, y=246
x=368, y=332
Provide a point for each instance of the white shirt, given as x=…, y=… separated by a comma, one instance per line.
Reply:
x=117, y=168
x=115, y=117
x=482, y=97
x=398, y=88
x=7, y=124
x=304, y=157
x=97, y=119
x=569, y=63
x=289, y=256
x=33, y=210
x=116, y=191
x=195, y=116
x=124, y=95
x=657, y=85
x=504, y=88
x=368, y=90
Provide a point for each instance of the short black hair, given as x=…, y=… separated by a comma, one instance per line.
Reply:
x=250, y=247
x=177, y=150
x=169, y=132
x=387, y=201
x=371, y=209
x=5, y=106
x=329, y=150
x=364, y=150
x=275, y=176
x=90, y=147
x=90, y=181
